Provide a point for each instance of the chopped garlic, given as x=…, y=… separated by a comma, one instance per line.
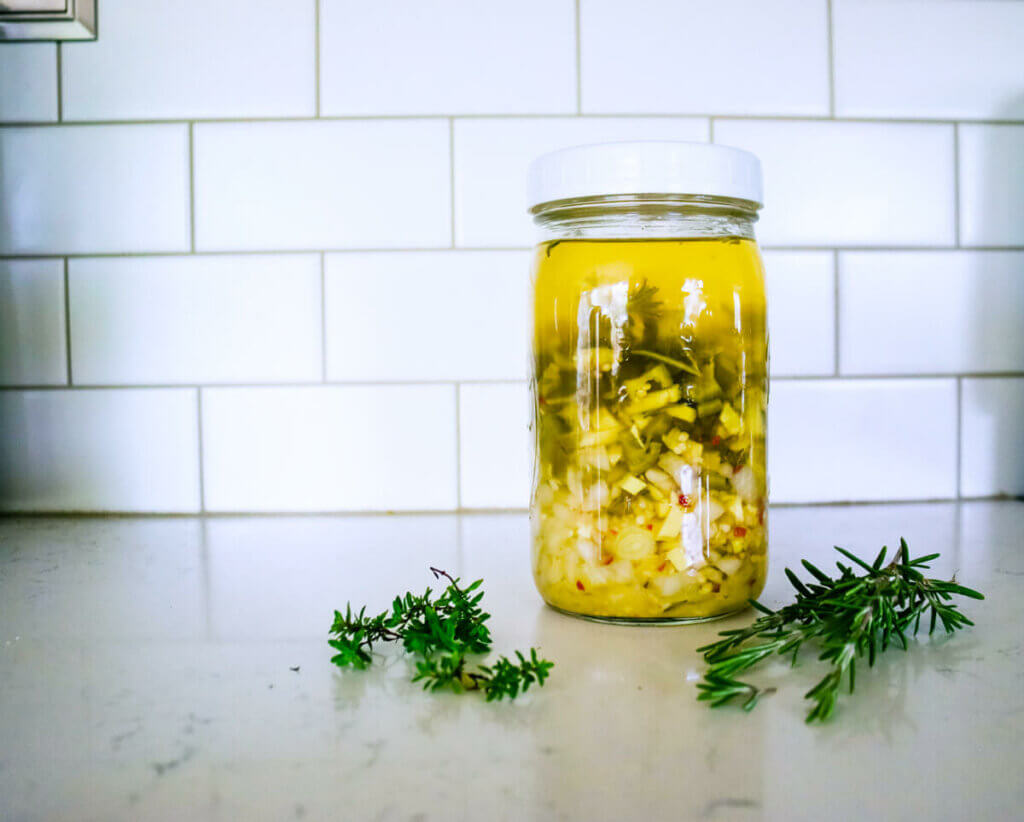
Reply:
x=677, y=556
x=631, y=485
x=672, y=524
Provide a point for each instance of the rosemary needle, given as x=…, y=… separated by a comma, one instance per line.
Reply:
x=848, y=616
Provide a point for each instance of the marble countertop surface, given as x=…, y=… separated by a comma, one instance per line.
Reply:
x=177, y=669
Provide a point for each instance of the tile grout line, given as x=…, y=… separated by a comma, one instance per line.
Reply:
x=523, y=115
x=263, y=252
x=831, y=60
x=60, y=85
x=959, y=434
x=199, y=444
x=579, y=58
x=323, y=317
x=447, y=249
x=458, y=445
x=316, y=57
x=252, y=513
x=835, y=312
x=301, y=385
x=67, y=321
x=191, y=188
x=451, y=178
x=956, y=184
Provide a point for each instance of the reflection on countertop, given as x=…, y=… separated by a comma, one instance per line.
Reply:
x=177, y=668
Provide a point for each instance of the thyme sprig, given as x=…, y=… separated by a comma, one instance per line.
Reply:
x=848, y=616
x=441, y=633
x=644, y=310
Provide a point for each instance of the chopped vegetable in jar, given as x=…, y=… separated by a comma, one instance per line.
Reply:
x=650, y=392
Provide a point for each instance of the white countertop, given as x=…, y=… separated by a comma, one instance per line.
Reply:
x=145, y=674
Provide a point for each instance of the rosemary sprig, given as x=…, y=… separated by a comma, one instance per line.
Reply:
x=849, y=616
x=441, y=633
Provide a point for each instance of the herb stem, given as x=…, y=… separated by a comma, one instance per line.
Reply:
x=654, y=355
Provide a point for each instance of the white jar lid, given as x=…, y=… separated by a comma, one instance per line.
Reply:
x=650, y=167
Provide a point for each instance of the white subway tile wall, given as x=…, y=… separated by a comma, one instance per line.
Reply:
x=427, y=315
x=801, y=287
x=727, y=57
x=322, y=184
x=263, y=262
x=195, y=319
x=28, y=82
x=33, y=349
x=447, y=57
x=129, y=449
x=931, y=312
x=192, y=59
x=325, y=448
x=992, y=184
x=94, y=189
x=992, y=438
x=494, y=449
x=921, y=58
x=862, y=440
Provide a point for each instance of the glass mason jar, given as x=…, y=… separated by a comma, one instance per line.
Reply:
x=649, y=382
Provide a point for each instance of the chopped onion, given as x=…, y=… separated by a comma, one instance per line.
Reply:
x=635, y=543
x=745, y=484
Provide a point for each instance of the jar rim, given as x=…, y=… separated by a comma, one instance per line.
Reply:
x=669, y=169
x=666, y=200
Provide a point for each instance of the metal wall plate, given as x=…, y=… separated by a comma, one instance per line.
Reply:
x=47, y=20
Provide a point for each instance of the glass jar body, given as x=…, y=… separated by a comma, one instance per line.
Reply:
x=649, y=386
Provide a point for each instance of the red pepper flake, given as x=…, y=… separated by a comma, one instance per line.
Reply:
x=542, y=401
x=608, y=560
x=684, y=500
x=650, y=527
x=613, y=532
x=580, y=585
x=662, y=566
x=739, y=531
x=716, y=439
x=760, y=515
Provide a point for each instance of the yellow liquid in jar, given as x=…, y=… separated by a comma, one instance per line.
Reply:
x=650, y=388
